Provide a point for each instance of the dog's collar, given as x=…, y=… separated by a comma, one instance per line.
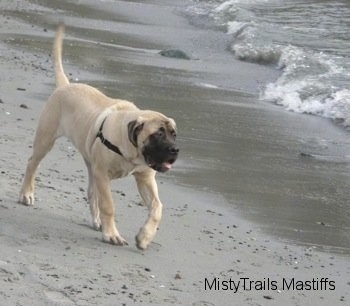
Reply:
x=108, y=144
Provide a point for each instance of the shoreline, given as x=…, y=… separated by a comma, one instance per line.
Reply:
x=49, y=253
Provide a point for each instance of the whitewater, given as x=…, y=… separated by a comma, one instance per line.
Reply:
x=307, y=40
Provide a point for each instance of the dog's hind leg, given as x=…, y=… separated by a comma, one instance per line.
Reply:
x=148, y=190
x=44, y=139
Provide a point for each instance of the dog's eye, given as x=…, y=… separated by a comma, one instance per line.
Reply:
x=173, y=133
x=161, y=131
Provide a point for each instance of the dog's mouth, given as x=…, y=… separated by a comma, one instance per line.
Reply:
x=160, y=166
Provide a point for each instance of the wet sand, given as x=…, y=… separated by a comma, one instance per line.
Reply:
x=49, y=253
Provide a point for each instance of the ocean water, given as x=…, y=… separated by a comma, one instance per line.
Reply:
x=307, y=40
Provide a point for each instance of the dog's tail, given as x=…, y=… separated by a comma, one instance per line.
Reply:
x=61, y=78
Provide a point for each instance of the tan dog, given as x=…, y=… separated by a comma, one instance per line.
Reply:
x=115, y=139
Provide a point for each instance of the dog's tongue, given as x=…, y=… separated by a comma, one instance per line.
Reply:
x=166, y=165
x=163, y=167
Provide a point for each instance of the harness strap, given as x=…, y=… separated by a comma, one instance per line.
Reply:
x=107, y=143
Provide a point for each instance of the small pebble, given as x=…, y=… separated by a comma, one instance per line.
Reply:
x=178, y=276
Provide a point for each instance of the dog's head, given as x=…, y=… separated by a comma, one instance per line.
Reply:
x=154, y=135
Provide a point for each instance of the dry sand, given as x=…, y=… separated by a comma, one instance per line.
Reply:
x=49, y=254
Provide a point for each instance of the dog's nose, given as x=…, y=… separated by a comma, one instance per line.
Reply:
x=173, y=150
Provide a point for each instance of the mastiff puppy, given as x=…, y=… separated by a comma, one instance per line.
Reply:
x=115, y=139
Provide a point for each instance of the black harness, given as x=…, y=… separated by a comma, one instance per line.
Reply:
x=108, y=144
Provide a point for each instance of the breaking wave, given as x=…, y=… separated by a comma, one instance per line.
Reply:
x=315, y=73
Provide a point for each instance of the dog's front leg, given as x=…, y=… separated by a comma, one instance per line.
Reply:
x=93, y=199
x=105, y=203
x=148, y=190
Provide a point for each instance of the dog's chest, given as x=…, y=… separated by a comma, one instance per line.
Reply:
x=123, y=169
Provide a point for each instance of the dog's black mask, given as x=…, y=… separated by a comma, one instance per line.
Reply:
x=160, y=151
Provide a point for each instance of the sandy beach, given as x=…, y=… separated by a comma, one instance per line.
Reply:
x=221, y=240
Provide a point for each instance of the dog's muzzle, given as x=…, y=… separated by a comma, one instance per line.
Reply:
x=160, y=158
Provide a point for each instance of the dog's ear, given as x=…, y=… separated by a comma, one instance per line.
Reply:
x=134, y=129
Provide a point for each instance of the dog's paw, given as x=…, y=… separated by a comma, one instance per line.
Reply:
x=96, y=224
x=114, y=239
x=143, y=239
x=26, y=198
